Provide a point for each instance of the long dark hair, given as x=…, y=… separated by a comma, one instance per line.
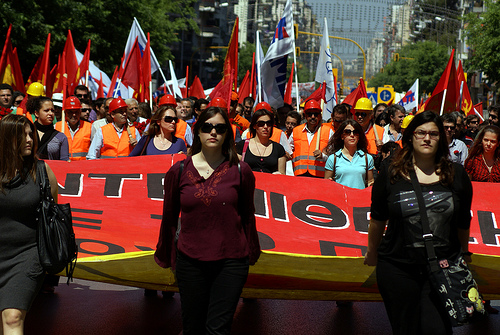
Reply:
x=255, y=118
x=336, y=142
x=12, y=138
x=228, y=149
x=477, y=148
x=403, y=162
x=154, y=127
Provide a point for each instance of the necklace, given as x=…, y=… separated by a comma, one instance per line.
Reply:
x=211, y=167
x=258, y=150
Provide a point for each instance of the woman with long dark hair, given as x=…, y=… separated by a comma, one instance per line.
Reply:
x=483, y=162
x=52, y=144
x=412, y=304
x=216, y=241
x=160, y=139
x=260, y=152
x=348, y=162
x=21, y=274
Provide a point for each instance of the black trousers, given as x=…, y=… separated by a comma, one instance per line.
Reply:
x=209, y=293
x=411, y=304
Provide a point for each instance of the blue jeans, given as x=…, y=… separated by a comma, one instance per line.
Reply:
x=209, y=293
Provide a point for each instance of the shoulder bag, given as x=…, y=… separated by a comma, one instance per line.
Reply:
x=451, y=279
x=56, y=242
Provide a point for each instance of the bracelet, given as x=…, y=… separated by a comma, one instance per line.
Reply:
x=467, y=253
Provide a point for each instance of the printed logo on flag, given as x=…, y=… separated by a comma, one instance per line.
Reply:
x=281, y=32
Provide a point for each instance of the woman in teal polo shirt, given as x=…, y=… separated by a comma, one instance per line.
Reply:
x=348, y=162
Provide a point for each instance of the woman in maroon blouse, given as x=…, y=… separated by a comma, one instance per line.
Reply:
x=483, y=162
x=217, y=239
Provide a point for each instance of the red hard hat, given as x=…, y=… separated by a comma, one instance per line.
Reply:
x=167, y=100
x=117, y=103
x=218, y=102
x=263, y=105
x=72, y=103
x=312, y=105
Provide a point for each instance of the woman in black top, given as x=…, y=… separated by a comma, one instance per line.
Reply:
x=402, y=276
x=260, y=152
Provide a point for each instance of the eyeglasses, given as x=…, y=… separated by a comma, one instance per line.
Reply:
x=421, y=134
x=362, y=114
x=169, y=119
x=493, y=117
x=291, y=124
x=309, y=114
x=260, y=124
x=220, y=128
x=348, y=132
x=449, y=127
x=86, y=110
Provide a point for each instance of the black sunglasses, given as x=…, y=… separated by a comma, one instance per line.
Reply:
x=82, y=95
x=450, y=127
x=220, y=128
x=308, y=114
x=169, y=119
x=362, y=114
x=348, y=132
x=269, y=123
x=84, y=110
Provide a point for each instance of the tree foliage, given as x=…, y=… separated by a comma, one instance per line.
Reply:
x=426, y=61
x=106, y=22
x=484, y=41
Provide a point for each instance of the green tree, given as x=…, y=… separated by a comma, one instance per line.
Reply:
x=426, y=61
x=484, y=41
x=106, y=22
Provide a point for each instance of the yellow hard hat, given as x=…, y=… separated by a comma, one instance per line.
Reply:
x=407, y=120
x=364, y=104
x=35, y=89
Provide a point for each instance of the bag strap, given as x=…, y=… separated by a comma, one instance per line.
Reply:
x=426, y=230
x=366, y=171
x=245, y=147
x=43, y=180
x=334, y=164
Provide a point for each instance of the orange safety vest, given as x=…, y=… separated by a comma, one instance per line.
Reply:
x=303, y=159
x=180, y=130
x=20, y=111
x=80, y=144
x=370, y=138
x=114, y=146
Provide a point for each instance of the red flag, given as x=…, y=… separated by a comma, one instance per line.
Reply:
x=45, y=65
x=253, y=77
x=113, y=83
x=132, y=73
x=84, y=65
x=196, y=89
x=288, y=92
x=319, y=94
x=50, y=81
x=215, y=91
x=478, y=109
x=244, y=89
x=466, y=103
x=224, y=90
x=359, y=92
x=447, y=90
x=71, y=64
x=10, y=70
x=146, y=68
x=33, y=78
x=231, y=60
x=100, y=89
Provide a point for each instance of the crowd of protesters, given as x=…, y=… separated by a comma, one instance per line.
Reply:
x=355, y=146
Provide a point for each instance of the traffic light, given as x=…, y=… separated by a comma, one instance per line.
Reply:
x=297, y=51
x=296, y=30
x=396, y=57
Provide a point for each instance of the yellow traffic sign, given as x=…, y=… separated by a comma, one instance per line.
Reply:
x=385, y=94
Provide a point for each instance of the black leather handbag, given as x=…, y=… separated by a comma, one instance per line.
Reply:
x=57, y=247
x=450, y=278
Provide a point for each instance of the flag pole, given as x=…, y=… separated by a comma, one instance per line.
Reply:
x=259, y=79
x=442, y=101
x=151, y=95
x=296, y=80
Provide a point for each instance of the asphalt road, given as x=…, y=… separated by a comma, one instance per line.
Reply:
x=86, y=307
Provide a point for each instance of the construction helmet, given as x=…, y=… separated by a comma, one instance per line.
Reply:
x=407, y=120
x=364, y=104
x=72, y=103
x=263, y=105
x=117, y=103
x=218, y=102
x=168, y=100
x=35, y=89
x=312, y=105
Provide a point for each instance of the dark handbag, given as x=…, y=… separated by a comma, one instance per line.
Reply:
x=56, y=242
x=451, y=279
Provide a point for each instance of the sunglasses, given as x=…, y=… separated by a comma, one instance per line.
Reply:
x=86, y=110
x=309, y=114
x=362, y=114
x=449, y=127
x=260, y=124
x=169, y=119
x=82, y=95
x=348, y=132
x=220, y=128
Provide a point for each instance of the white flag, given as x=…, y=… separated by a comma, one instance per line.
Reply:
x=136, y=31
x=410, y=100
x=324, y=73
x=175, y=83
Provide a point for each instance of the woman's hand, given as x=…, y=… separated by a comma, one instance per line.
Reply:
x=371, y=258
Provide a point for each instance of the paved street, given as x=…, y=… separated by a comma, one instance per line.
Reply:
x=86, y=307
